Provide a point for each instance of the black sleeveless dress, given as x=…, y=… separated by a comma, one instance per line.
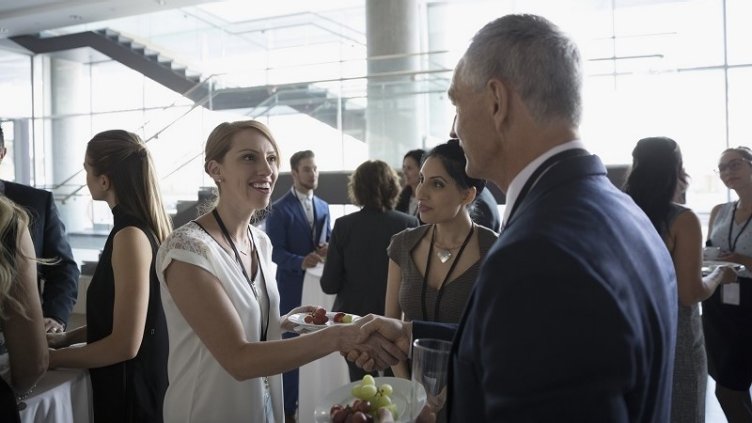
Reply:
x=133, y=390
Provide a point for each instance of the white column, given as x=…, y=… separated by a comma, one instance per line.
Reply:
x=69, y=95
x=394, y=117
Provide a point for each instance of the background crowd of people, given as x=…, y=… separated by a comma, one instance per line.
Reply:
x=585, y=308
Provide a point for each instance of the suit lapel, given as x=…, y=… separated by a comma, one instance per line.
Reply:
x=321, y=217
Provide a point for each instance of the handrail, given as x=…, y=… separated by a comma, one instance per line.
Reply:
x=278, y=88
x=152, y=137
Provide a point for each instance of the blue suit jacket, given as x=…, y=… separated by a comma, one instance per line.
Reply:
x=573, y=317
x=292, y=240
x=48, y=235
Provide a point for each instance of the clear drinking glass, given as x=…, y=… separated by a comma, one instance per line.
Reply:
x=430, y=369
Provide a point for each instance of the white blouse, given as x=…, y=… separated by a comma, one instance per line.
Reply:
x=200, y=389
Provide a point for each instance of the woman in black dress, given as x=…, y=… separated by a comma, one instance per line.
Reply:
x=125, y=330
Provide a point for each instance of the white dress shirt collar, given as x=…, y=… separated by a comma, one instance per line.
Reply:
x=519, y=181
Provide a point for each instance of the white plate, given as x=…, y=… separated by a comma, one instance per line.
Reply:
x=400, y=396
x=298, y=319
x=710, y=265
x=716, y=263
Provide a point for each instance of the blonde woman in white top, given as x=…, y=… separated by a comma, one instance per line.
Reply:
x=220, y=296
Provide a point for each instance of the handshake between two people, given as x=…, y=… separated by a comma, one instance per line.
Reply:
x=372, y=342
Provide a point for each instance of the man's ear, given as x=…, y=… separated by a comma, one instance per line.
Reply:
x=499, y=95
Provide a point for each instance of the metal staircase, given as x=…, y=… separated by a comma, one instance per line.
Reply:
x=302, y=97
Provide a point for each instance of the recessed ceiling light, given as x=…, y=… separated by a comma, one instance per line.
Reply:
x=76, y=17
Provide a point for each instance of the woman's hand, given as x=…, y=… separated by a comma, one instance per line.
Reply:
x=733, y=257
x=288, y=326
x=728, y=274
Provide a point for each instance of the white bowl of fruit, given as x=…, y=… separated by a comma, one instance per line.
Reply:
x=362, y=401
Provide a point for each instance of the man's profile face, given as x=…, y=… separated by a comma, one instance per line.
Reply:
x=472, y=123
x=306, y=176
x=3, y=151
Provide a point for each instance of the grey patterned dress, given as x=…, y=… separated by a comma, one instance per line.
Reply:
x=456, y=292
x=690, y=365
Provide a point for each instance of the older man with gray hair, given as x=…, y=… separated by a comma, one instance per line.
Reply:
x=573, y=316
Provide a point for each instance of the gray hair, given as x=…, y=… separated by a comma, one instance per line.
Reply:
x=539, y=61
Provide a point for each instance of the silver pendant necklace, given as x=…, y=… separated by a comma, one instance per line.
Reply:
x=444, y=255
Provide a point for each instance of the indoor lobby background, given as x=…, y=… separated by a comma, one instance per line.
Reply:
x=351, y=80
x=348, y=79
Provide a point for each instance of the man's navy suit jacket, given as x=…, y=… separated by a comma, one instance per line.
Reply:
x=292, y=239
x=48, y=235
x=573, y=317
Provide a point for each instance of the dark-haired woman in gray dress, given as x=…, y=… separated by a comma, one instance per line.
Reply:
x=657, y=178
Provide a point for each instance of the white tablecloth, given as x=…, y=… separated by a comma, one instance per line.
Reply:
x=323, y=375
x=61, y=396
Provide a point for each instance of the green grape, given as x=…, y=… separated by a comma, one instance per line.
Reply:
x=386, y=389
x=367, y=392
x=379, y=401
x=356, y=391
x=368, y=380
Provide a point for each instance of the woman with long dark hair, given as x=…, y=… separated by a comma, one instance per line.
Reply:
x=656, y=180
x=433, y=267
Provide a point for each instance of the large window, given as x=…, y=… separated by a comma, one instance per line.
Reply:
x=682, y=69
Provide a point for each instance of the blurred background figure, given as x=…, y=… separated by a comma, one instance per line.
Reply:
x=656, y=180
x=727, y=315
x=299, y=227
x=356, y=264
x=125, y=332
x=407, y=203
x=433, y=267
x=21, y=324
x=57, y=280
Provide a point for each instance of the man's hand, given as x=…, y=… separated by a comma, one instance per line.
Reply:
x=377, y=350
x=393, y=331
x=322, y=250
x=52, y=326
x=311, y=260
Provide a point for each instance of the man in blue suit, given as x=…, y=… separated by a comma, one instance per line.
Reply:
x=573, y=316
x=299, y=229
x=59, y=281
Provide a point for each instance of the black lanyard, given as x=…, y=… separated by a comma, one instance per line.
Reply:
x=550, y=162
x=226, y=234
x=440, y=292
x=732, y=246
